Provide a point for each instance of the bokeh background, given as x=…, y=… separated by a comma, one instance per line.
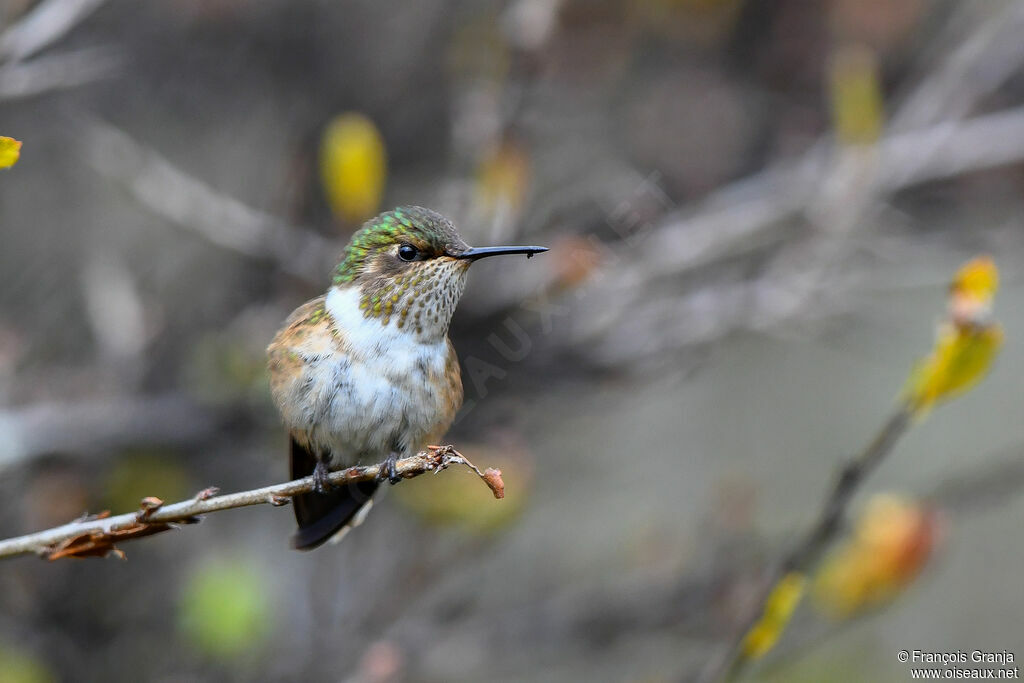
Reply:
x=754, y=209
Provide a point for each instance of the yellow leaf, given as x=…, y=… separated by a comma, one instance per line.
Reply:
x=891, y=544
x=778, y=610
x=972, y=290
x=10, y=151
x=353, y=167
x=857, y=104
x=979, y=278
x=503, y=177
x=965, y=345
x=960, y=359
x=704, y=23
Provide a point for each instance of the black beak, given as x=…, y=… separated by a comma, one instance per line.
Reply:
x=474, y=253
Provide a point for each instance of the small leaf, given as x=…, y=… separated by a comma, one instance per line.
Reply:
x=492, y=476
x=857, y=105
x=966, y=343
x=17, y=666
x=504, y=177
x=10, y=152
x=353, y=167
x=225, y=612
x=778, y=610
x=978, y=278
x=961, y=358
x=972, y=291
x=891, y=544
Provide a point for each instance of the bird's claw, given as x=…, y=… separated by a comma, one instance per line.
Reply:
x=321, y=481
x=389, y=470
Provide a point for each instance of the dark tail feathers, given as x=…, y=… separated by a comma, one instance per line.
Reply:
x=321, y=515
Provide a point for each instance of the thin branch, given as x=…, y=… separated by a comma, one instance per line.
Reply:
x=990, y=54
x=989, y=482
x=808, y=551
x=929, y=140
x=48, y=22
x=67, y=69
x=103, y=425
x=970, y=69
x=744, y=217
x=986, y=484
x=96, y=536
x=190, y=203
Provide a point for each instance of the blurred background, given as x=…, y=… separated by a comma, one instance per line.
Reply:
x=754, y=210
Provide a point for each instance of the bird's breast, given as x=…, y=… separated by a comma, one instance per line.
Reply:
x=360, y=389
x=390, y=400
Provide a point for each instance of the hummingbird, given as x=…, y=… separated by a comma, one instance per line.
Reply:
x=366, y=372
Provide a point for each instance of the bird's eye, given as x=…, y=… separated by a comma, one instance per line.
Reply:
x=407, y=252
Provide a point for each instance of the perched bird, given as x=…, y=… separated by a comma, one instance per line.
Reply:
x=366, y=373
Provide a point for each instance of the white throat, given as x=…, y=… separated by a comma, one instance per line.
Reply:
x=418, y=311
x=399, y=352
x=364, y=333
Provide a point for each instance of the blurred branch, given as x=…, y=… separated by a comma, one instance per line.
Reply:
x=748, y=216
x=98, y=535
x=922, y=126
x=966, y=344
x=102, y=425
x=690, y=602
x=47, y=22
x=55, y=72
x=952, y=149
x=831, y=187
x=744, y=216
x=983, y=485
x=806, y=553
x=969, y=70
x=192, y=204
x=728, y=219
x=225, y=221
x=986, y=483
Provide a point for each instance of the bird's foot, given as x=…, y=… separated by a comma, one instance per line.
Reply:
x=321, y=480
x=389, y=470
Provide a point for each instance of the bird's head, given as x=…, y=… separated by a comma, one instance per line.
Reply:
x=409, y=267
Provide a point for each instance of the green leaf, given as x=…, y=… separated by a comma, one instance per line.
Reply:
x=224, y=610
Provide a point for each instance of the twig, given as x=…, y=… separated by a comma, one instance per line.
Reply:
x=744, y=217
x=929, y=140
x=68, y=69
x=989, y=55
x=743, y=210
x=47, y=23
x=970, y=69
x=103, y=425
x=986, y=484
x=96, y=536
x=806, y=553
x=990, y=481
x=190, y=203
